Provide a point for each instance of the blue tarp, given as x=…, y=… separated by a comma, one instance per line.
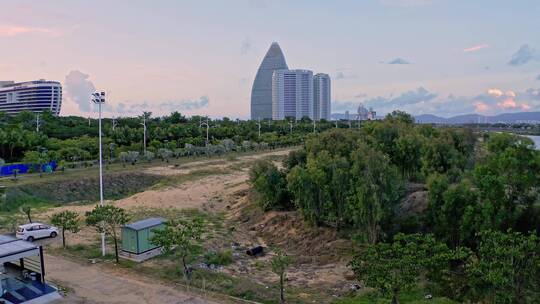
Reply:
x=7, y=170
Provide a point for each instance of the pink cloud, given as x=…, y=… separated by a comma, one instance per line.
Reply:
x=14, y=30
x=525, y=107
x=481, y=107
x=475, y=48
x=508, y=103
x=495, y=92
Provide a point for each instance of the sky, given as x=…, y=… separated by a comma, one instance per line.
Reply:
x=443, y=57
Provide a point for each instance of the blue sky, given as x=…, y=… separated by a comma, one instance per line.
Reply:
x=444, y=57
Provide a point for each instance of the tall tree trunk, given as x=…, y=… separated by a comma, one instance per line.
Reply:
x=281, y=290
x=395, y=299
x=186, y=270
x=115, y=245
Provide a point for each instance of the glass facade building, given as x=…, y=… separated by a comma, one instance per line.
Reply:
x=321, y=97
x=261, y=92
x=292, y=94
x=35, y=96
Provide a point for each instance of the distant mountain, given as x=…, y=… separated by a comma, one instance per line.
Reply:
x=520, y=117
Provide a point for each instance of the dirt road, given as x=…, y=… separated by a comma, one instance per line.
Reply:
x=93, y=283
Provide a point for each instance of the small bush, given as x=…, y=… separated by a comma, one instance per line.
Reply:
x=221, y=258
x=271, y=185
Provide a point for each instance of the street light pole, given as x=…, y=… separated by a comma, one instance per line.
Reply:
x=99, y=98
x=38, y=123
x=207, y=126
x=144, y=134
x=259, y=124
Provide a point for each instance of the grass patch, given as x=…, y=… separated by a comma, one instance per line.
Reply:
x=87, y=251
x=220, y=258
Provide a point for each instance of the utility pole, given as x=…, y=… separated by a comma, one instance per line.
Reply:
x=290, y=125
x=38, y=123
x=114, y=123
x=259, y=125
x=314, y=126
x=201, y=123
x=336, y=124
x=99, y=98
x=144, y=134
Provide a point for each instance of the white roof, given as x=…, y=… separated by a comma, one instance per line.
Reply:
x=12, y=249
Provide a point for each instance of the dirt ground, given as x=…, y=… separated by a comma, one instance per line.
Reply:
x=224, y=191
x=91, y=284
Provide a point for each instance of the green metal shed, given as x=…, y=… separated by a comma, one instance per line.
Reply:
x=136, y=236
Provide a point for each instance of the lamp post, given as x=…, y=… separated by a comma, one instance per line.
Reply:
x=290, y=125
x=38, y=123
x=259, y=125
x=99, y=98
x=144, y=134
x=207, y=126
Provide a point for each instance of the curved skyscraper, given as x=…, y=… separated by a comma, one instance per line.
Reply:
x=261, y=92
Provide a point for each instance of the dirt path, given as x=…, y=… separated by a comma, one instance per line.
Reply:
x=91, y=284
x=190, y=194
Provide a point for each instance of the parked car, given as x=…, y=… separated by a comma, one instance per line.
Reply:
x=33, y=231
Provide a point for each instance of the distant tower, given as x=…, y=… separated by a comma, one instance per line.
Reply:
x=292, y=94
x=363, y=113
x=261, y=92
x=321, y=96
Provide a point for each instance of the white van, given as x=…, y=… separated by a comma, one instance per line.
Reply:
x=33, y=231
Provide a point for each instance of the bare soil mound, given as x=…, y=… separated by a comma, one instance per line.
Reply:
x=287, y=230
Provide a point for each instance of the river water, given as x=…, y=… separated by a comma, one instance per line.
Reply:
x=536, y=140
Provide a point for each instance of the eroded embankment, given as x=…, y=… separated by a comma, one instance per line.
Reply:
x=118, y=185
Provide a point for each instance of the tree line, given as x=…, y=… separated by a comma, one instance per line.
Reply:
x=73, y=139
x=474, y=236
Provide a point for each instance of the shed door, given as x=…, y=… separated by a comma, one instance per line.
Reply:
x=133, y=242
x=129, y=240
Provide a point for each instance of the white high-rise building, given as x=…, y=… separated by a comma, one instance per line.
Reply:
x=321, y=96
x=292, y=94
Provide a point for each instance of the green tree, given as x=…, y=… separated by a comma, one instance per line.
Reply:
x=108, y=219
x=507, y=183
x=375, y=194
x=395, y=267
x=270, y=185
x=408, y=154
x=37, y=159
x=507, y=269
x=66, y=220
x=279, y=264
x=448, y=208
x=180, y=236
x=27, y=210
